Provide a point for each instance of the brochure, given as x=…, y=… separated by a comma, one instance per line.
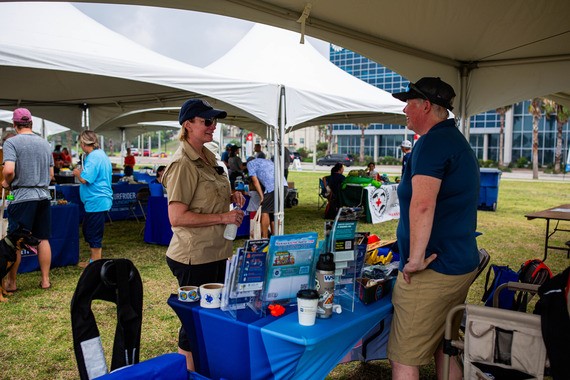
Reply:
x=289, y=264
x=252, y=269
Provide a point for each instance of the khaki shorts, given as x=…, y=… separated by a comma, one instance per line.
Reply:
x=420, y=309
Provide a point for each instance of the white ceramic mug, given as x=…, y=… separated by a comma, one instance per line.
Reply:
x=211, y=295
x=188, y=294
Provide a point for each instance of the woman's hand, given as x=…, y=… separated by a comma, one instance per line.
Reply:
x=234, y=217
x=238, y=198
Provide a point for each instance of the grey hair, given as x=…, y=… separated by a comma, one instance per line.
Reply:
x=440, y=112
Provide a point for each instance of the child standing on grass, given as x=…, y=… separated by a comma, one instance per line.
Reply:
x=252, y=206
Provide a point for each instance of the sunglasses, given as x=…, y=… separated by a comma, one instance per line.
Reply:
x=415, y=88
x=219, y=170
x=210, y=122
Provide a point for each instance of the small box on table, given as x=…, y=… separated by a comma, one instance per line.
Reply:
x=375, y=290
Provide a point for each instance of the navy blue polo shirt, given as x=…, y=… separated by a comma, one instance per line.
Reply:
x=444, y=153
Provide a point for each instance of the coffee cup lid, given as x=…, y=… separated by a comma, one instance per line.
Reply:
x=309, y=294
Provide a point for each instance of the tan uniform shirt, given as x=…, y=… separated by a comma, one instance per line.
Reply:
x=190, y=180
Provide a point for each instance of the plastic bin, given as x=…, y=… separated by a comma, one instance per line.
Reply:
x=489, y=189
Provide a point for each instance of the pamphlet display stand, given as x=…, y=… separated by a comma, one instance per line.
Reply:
x=341, y=241
x=267, y=271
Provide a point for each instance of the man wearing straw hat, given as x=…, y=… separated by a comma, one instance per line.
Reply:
x=28, y=171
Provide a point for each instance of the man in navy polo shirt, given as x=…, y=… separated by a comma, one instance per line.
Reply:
x=438, y=197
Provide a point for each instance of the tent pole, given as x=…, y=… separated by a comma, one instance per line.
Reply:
x=463, y=105
x=278, y=160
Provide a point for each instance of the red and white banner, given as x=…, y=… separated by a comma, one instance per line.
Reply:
x=383, y=203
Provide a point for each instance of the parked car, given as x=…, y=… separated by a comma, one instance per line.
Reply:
x=332, y=159
x=134, y=151
x=159, y=154
x=146, y=153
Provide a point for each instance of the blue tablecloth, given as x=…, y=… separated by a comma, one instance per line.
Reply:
x=158, y=230
x=273, y=347
x=64, y=240
x=139, y=176
x=123, y=195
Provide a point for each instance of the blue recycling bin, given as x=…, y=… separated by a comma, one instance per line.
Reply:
x=489, y=189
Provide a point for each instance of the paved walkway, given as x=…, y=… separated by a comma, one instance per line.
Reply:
x=518, y=174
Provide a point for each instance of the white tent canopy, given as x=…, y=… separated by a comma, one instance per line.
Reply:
x=494, y=53
x=59, y=60
x=313, y=90
x=126, y=132
x=40, y=126
x=316, y=91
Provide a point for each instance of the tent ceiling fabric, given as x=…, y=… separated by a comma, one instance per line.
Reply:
x=60, y=59
x=51, y=127
x=512, y=50
x=316, y=91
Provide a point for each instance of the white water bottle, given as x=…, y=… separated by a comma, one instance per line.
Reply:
x=231, y=229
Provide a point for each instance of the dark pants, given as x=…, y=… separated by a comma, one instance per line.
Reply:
x=195, y=275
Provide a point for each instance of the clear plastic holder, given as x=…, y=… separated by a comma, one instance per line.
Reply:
x=341, y=241
x=245, y=277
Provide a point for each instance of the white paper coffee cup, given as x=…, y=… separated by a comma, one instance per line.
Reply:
x=188, y=294
x=211, y=295
x=307, y=301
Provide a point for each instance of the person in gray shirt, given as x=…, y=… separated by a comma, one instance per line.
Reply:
x=28, y=171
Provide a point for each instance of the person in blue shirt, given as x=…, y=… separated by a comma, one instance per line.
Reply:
x=262, y=174
x=96, y=192
x=438, y=197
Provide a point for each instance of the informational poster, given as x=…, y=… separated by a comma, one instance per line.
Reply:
x=289, y=265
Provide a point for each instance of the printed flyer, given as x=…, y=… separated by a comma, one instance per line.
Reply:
x=289, y=265
x=252, y=270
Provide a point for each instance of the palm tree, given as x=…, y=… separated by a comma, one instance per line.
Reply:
x=330, y=139
x=535, y=109
x=502, y=111
x=562, y=114
x=362, y=127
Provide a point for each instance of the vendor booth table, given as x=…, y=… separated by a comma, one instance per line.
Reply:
x=158, y=230
x=380, y=204
x=250, y=347
x=140, y=176
x=64, y=240
x=123, y=195
x=558, y=213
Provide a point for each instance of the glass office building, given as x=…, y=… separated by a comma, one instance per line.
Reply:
x=384, y=139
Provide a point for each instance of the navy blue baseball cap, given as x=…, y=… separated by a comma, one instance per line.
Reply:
x=201, y=108
x=433, y=89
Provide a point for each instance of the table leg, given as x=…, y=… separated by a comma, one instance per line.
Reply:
x=546, y=238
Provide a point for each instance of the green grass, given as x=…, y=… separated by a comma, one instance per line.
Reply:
x=35, y=338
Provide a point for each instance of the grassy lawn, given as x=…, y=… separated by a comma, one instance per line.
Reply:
x=36, y=341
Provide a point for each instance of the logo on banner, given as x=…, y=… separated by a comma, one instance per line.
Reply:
x=379, y=202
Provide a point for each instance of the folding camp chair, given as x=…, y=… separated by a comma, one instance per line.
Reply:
x=498, y=343
x=323, y=193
